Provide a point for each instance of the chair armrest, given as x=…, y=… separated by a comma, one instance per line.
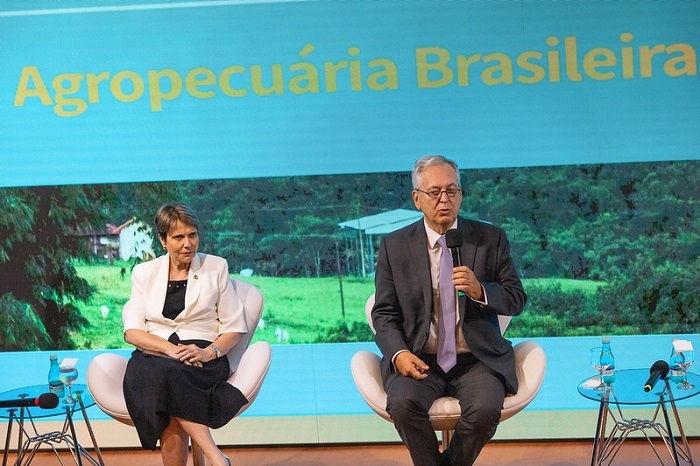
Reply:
x=105, y=377
x=366, y=372
x=251, y=371
x=530, y=365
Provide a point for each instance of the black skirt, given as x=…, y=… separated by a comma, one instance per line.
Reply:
x=157, y=388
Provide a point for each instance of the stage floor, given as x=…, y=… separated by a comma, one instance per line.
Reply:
x=560, y=453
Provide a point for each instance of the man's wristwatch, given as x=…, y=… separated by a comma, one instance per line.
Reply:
x=216, y=348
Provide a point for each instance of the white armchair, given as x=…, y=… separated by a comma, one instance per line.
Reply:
x=249, y=366
x=530, y=365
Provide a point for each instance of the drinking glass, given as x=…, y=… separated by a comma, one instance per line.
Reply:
x=68, y=374
x=594, y=355
x=687, y=359
x=675, y=371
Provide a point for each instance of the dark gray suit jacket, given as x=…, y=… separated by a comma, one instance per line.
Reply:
x=403, y=299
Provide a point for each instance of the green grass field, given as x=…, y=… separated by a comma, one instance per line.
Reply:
x=305, y=309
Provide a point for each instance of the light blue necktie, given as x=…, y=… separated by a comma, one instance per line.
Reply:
x=447, y=345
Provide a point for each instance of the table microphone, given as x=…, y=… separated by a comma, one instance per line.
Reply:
x=45, y=401
x=657, y=371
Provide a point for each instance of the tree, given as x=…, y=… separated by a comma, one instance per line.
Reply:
x=44, y=230
x=39, y=244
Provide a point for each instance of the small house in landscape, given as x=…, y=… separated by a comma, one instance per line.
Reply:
x=135, y=240
x=127, y=241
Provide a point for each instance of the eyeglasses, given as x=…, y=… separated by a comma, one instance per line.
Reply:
x=437, y=193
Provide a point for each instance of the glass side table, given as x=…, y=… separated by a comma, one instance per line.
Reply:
x=628, y=390
x=30, y=439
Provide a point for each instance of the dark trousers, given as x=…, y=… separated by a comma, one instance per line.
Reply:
x=480, y=392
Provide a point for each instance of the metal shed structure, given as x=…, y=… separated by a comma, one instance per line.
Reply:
x=376, y=225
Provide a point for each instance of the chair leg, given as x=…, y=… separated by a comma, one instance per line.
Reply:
x=446, y=438
x=197, y=455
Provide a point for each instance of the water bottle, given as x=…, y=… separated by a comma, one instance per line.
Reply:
x=676, y=372
x=55, y=384
x=607, y=359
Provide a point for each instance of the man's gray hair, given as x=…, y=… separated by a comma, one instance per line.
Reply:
x=428, y=161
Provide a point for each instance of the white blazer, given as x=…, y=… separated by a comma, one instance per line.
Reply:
x=212, y=306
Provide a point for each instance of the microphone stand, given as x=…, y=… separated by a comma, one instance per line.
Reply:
x=20, y=434
x=662, y=402
x=9, y=434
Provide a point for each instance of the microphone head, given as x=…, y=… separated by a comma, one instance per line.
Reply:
x=453, y=238
x=661, y=367
x=48, y=400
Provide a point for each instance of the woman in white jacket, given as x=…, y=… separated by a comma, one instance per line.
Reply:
x=183, y=316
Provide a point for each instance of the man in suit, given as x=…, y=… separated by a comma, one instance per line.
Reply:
x=423, y=359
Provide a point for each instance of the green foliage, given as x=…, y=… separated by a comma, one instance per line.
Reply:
x=16, y=221
x=20, y=328
x=536, y=325
x=43, y=230
x=44, y=238
x=359, y=331
x=289, y=226
x=559, y=307
x=655, y=297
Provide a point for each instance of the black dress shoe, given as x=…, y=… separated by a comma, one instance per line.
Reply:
x=445, y=459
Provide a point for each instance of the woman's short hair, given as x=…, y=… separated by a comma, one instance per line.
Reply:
x=428, y=161
x=169, y=214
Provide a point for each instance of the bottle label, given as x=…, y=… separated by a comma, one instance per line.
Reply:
x=609, y=375
x=676, y=374
x=57, y=388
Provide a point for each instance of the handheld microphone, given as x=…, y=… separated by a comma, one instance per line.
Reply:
x=45, y=401
x=453, y=240
x=657, y=371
